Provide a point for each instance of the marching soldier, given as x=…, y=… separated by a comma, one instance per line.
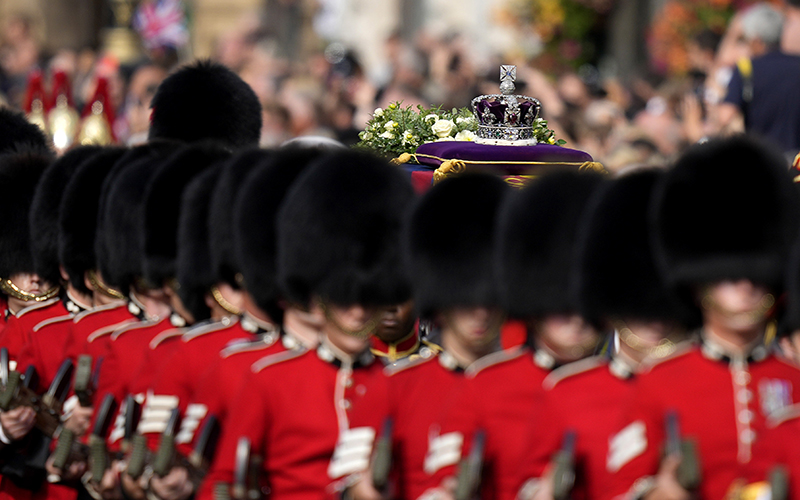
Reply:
x=537, y=232
x=338, y=249
x=451, y=270
x=618, y=286
x=726, y=385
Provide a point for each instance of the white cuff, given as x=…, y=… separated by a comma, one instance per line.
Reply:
x=3, y=438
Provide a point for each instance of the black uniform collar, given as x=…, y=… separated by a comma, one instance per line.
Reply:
x=329, y=353
x=713, y=349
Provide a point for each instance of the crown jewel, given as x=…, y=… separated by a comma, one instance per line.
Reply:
x=506, y=118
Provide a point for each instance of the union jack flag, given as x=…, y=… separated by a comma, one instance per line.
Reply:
x=161, y=23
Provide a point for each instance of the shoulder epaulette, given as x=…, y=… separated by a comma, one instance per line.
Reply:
x=98, y=309
x=37, y=306
x=106, y=330
x=493, y=359
x=406, y=363
x=681, y=349
x=783, y=414
x=132, y=326
x=572, y=369
x=433, y=347
x=166, y=334
x=50, y=321
x=208, y=327
x=274, y=359
x=249, y=346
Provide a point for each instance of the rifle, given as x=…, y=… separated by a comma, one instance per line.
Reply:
x=199, y=459
x=86, y=379
x=246, y=484
x=21, y=391
x=688, y=473
x=69, y=449
x=469, y=470
x=779, y=482
x=382, y=464
x=564, y=467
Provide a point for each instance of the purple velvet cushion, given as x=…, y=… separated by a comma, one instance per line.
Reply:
x=535, y=156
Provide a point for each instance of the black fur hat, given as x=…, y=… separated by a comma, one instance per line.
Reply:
x=449, y=241
x=224, y=258
x=206, y=101
x=162, y=203
x=254, y=221
x=119, y=245
x=617, y=274
x=77, y=220
x=339, y=232
x=45, y=211
x=535, y=257
x=193, y=263
x=727, y=210
x=20, y=172
x=16, y=131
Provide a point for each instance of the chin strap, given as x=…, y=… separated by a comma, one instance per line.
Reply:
x=223, y=302
x=362, y=333
x=101, y=287
x=9, y=288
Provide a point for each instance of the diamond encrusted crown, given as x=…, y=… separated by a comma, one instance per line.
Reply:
x=506, y=118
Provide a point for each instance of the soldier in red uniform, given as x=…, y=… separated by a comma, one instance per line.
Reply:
x=339, y=250
x=618, y=286
x=534, y=254
x=721, y=389
x=452, y=275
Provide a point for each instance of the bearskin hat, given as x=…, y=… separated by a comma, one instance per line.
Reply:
x=450, y=261
x=254, y=221
x=224, y=260
x=206, y=101
x=45, y=211
x=119, y=247
x=535, y=257
x=16, y=131
x=727, y=210
x=339, y=232
x=193, y=263
x=162, y=203
x=617, y=274
x=77, y=220
x=20, y=172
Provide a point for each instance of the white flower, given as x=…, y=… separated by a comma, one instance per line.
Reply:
x=431, y=117
x=443, y=128
x=465, y=135
x=409, y=138
x=377, y=113
x=445, y=139
x=389, y=126
x=387, y=135
x=465, y=120
x=367, y=136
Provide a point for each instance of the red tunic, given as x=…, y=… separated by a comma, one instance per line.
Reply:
x=722, y=403
x=217, y=388
x=293, y=407
x=19, y=327
x=502, y=396
x=91, y=330
x=415, y=397
x=46, y=347
x=586, y=397
x=174, y=368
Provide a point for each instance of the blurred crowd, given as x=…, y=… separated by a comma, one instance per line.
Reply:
x=621, y=120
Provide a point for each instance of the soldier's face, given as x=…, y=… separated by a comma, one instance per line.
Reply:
x=473, y=328
x=568, y=336
x=737, y=305
x=396, y=321
x=27, y=282
x=350, y=327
